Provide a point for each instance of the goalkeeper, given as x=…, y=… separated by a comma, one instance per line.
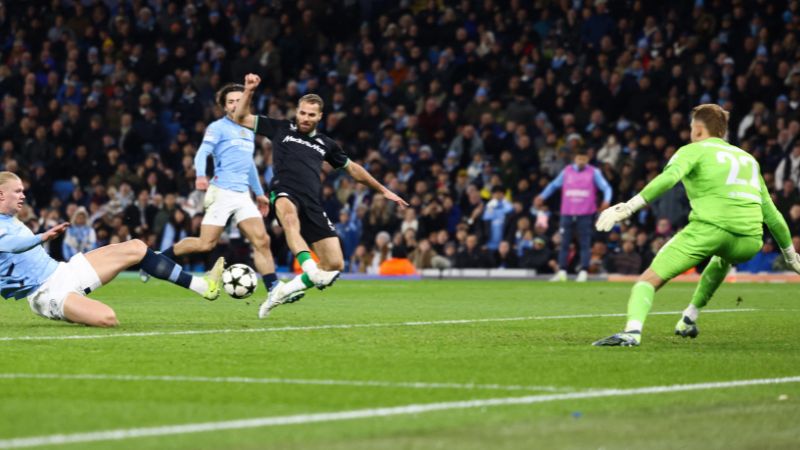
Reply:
x=729, y=203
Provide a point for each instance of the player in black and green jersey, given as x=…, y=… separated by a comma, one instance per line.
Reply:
x=298, y=152
x=729, y=203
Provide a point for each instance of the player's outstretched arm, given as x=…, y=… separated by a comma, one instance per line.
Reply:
x=779, y=229
x=360, y=174
x=242, y=114
x=54, y=232
x=262, y=202
x=206, y=148
x=680, y=164
x=21, y=244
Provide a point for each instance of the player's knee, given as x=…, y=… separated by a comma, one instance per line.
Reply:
x=719, y=261
x=649, y=276
x=107, y=319
x=261, y=241
x=333, y=265
x=138, y=247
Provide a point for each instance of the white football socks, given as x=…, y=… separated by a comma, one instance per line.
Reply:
x=633, y=325
x=691, y=312
x=296, y=284
x=199, y=285
x=310, y=267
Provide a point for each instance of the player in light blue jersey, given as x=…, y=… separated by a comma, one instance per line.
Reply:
x=228, y=193
x=57, y=290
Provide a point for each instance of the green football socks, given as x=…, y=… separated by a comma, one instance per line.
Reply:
x=303, y=257
x=639, y=304
x=713, y=276
x=306, y=280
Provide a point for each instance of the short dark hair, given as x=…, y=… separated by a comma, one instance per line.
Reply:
x=313, y=99
x=713, y=117
x=581, y=151
x=222, y=94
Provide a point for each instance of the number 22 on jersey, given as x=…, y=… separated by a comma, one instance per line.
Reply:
x=736, y=166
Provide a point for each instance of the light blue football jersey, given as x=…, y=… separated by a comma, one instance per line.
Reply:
x=24, y=264
x=231, y=145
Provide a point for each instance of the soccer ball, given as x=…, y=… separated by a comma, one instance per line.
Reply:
x=239, y=281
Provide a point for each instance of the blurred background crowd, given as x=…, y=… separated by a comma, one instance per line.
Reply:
x=466, y=109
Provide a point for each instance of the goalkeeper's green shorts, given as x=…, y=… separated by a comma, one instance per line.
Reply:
x=701, y=240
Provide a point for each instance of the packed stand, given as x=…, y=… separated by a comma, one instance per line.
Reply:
x=468, y=110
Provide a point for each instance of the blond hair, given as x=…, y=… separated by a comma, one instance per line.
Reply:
x=313, y=99
x=6, y=176
x=713, y=117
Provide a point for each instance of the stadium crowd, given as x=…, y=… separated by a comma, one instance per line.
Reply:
x=466, y=109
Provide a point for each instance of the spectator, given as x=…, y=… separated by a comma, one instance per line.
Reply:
x=472, y=256
x=466, y=145
x=579, y=183
x=410, y=221
x=422, y=256
x=380, y=253
x=786, y=197
x=359, y=260
x=81, y=81
x=504, y=257
x=539, y=257
x=789, y=168
x=598, y=263
x=80, y=237
x=349, y=230
x=494, y=214
x=628, y=261
x=178, y=227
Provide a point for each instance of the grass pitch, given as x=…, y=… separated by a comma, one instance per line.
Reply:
x=358, y=366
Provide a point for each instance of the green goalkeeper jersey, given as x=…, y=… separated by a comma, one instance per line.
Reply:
x=724, y=187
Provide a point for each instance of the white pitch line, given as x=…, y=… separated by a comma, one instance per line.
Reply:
x=259, y=422
x=300, y=381
x=342, y=326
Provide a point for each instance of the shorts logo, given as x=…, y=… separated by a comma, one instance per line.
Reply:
x=330, y=225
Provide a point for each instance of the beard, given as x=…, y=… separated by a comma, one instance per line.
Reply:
x=306, y=127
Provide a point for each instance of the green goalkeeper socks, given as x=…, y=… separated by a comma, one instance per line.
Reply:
x=639, y=305
x=713, y=275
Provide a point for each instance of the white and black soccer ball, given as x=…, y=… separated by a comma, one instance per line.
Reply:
x=239, y=280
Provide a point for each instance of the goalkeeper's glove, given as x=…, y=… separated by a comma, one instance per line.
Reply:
x=792, y=258
x=619, y=212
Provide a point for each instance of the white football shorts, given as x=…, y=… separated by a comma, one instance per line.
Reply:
x=76, y=276
x=220, y=204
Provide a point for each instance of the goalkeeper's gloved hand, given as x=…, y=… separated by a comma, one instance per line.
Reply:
x=618, y=213
x=792, y=258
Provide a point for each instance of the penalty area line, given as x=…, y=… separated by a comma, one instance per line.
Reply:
x=112, y=334
x=299, y=419
x=294, y=381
